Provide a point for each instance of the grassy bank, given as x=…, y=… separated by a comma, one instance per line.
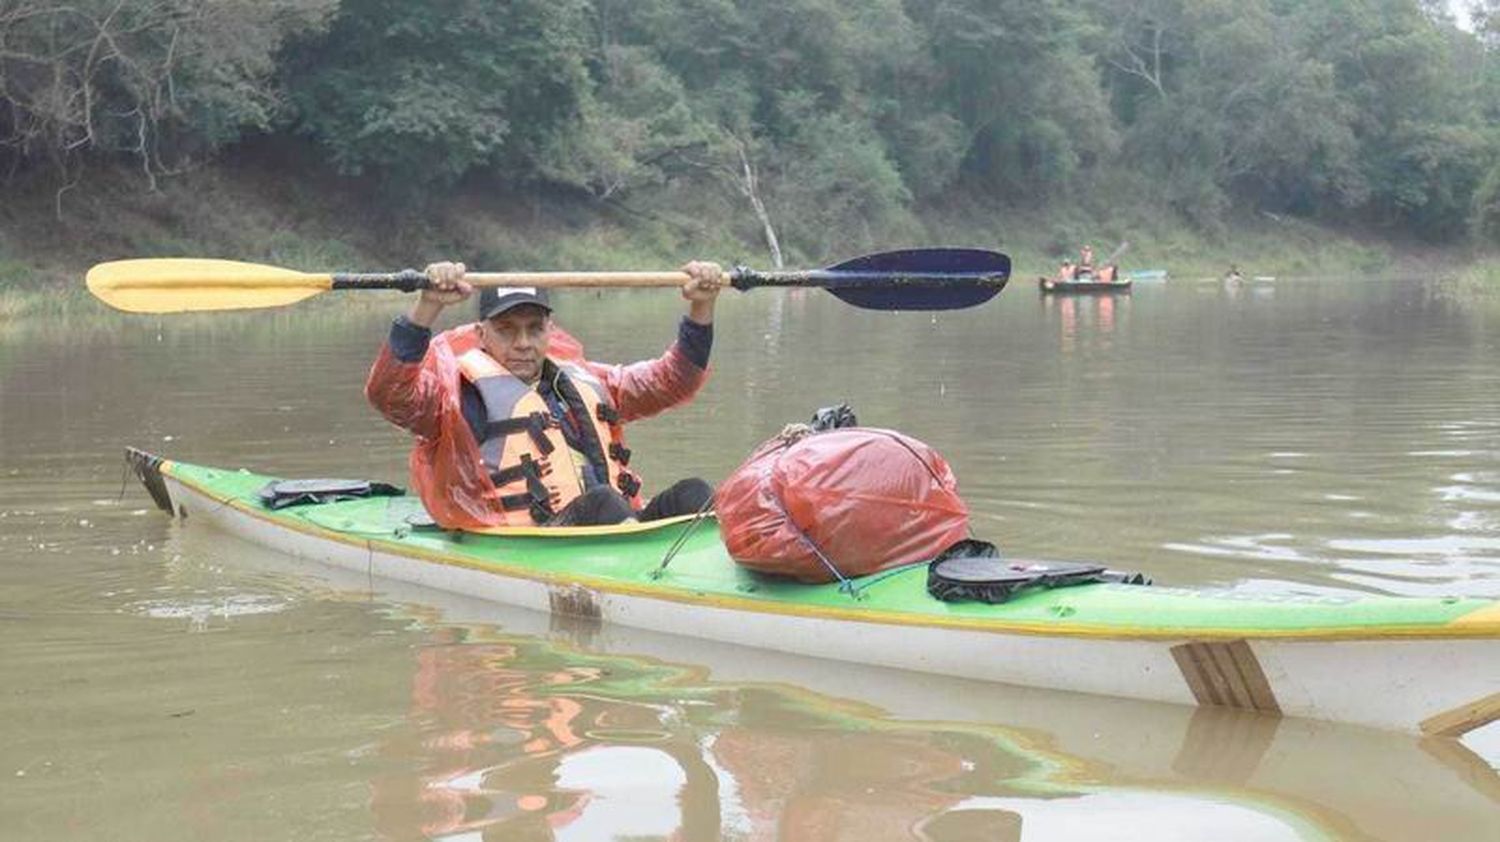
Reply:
x=266, y=208
x=1479, y=278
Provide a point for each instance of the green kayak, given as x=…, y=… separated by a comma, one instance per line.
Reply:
x=1051, y=286
x=1414, y=664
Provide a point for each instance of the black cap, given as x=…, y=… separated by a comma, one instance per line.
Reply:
x=496, y=300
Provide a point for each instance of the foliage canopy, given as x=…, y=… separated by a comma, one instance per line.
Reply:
x=821, y=124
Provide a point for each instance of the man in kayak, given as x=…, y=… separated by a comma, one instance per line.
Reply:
x=513, y=426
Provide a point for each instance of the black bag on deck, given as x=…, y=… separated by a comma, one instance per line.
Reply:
x=281, y=493
x=973, y=570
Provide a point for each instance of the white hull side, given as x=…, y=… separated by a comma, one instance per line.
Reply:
x=1390, y=684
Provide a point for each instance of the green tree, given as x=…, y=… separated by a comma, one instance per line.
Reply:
x=1017, y=76
x=161, y=82
x=1484, y=214
x=1223, y=109
x=815, y=114
x=1484, y=211
x=422, y=94
x=635, y=121
x=1422, y=149
x=835, y=181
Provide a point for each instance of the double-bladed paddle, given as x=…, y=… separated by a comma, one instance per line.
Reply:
x=911, y=279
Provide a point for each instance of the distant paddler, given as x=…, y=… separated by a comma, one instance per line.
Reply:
x=1085, y=261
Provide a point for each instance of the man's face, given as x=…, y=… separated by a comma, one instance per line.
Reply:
x=518, y=339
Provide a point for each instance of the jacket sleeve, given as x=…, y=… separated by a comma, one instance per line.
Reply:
x=410, y=393
x=643, y=389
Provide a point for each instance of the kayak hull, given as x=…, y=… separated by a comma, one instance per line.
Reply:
x=1428, y=666
x=1051, y=286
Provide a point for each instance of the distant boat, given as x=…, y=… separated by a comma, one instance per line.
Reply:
x=1086, y=285
x=1234, y=280
x=1141, y=276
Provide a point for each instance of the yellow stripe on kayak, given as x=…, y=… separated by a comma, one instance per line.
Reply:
x=1479, y=621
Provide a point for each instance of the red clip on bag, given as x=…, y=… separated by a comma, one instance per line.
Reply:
x=869, y=499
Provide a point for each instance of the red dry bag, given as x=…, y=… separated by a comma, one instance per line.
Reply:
x=856, y=500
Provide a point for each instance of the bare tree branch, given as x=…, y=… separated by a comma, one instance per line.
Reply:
x=1147, y=67
x=749, y=184
x=103, y=77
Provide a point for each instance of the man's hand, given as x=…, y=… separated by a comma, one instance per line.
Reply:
x=448, y=284
x=448, y=287
x=705, y=279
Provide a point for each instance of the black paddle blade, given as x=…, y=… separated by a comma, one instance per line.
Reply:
x=919, y=279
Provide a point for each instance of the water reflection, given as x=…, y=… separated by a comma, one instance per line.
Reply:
x=519, y=739
x=1086, y=321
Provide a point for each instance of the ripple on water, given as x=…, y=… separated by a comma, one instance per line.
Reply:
x=1464, y=565
x=1262, y=547
x=1439, y=566
x=1474, y=522
x=1443, y=546
x=1467, y=493
x=204, y=607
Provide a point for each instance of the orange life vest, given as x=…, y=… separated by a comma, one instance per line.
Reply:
x=534, y=470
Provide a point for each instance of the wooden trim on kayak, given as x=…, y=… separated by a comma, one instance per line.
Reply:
x=1225, y=674
x=1464, y=718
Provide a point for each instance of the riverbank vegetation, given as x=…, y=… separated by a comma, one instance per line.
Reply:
x=1287, y=136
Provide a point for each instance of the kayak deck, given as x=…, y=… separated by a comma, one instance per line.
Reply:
x=628, y=559
x=1428, y=665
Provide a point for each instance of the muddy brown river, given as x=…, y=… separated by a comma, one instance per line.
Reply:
x=159, y=681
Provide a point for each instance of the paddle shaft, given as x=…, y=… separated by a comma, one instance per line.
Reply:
x=907, y=279
x=740, y=278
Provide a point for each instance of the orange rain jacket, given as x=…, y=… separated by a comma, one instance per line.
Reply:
x=447, y=470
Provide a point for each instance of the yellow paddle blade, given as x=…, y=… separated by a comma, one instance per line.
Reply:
x=181, y=285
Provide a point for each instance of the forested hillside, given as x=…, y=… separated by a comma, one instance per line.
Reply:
x=803, y=128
